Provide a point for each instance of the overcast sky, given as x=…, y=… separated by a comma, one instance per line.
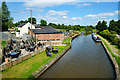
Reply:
x=67, y=12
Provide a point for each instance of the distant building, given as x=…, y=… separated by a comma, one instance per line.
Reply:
x=47, y=33
x=23, y=29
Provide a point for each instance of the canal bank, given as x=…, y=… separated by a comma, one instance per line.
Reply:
x=113, y=62
x=111, y=58
x=52, y=62
x=86, y=59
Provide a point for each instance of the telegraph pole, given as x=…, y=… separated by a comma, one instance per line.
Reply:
x=31, y=24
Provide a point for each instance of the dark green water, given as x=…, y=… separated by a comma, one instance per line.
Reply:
x=86, y=59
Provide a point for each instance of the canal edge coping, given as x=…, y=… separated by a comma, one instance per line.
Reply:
x=113, y=61
x=47, y=66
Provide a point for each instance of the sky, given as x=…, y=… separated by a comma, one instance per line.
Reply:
x=73, y=12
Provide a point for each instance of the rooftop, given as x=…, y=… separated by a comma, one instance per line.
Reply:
x=22, y=24
x=37, y=25
x=45, y=30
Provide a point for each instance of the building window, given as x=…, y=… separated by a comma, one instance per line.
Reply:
x=28, y=27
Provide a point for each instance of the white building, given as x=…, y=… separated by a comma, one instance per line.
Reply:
x=23, y=29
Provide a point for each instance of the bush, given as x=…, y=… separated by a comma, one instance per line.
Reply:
x=112, y=36
x=115, y=41
x=113, y=32
x=16, y=29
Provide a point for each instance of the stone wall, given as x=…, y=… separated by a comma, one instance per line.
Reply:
x=113, y=61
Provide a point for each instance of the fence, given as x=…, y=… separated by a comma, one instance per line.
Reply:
x=18, y=60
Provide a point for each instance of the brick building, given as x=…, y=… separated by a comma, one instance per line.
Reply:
x=47, y=33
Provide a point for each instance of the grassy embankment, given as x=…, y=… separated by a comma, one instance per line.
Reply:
x=29, y=66
x=111, y=50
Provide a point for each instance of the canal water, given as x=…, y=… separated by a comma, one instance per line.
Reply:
x=86, y=59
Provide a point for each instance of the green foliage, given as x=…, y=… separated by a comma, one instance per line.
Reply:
x=101, y=26
x=43, y=22
x=3, y=43
x=113, y=26
x=33, y=20
x=10, y=22
x=5, y=16
x=111, y=37
x=67, y=40
x=86, y=29
x=113, y=32
x=115, y=41
x=16, y=29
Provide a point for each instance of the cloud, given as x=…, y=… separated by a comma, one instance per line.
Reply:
x=84, y=4
x=64, y=17
x=52, y=12
x=46, y=3
x=102, y=15
x=76, y=18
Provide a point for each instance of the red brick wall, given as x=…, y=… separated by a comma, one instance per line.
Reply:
x=50, y=36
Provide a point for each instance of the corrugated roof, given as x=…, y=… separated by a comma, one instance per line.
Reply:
x=45, y=30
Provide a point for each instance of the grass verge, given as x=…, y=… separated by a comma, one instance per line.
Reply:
x=29, y=66
x=67, y=40
x=109, y=49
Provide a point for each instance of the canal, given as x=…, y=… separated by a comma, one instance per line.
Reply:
x=86, y=59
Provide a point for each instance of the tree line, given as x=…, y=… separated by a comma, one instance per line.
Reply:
x=109, y=32
x=114, y=26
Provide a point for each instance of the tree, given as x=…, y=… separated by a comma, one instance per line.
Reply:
x=112, y=26
x=98, y=25
x=43, y=22
x=25, y=21
x=103, y=25
x=33, y=20
x=10, y=23
x=21, y=21
x=5, y=16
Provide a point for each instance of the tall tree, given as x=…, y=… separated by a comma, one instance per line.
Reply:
x=5, y=16
x=101, y=26
x=104, y=25
x=33, y=20
x=10, y=22
x=43, y=22
x=98, y=26
x=112, y=25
